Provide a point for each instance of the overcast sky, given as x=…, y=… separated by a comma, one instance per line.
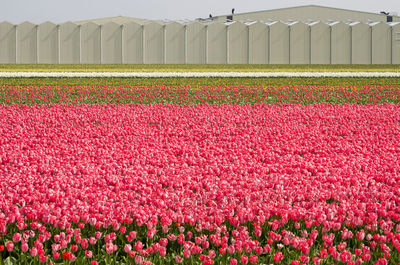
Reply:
x=38, y=11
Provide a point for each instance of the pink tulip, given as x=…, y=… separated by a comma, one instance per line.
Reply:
x=127, y=248
x=232, y=261
x=24, y=247
x=10, y=246
x=244, y=259
x=17, y=237
x=42, y=258
x=278, y=257
x=33, y=251
x=138, y=260
x=178, y=259
x=92, y=240
x=88, y=254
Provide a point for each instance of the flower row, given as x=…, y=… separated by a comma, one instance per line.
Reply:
x=197, y=95
x=196, y=74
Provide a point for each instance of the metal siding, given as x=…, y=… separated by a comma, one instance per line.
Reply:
x=111, y=43
x=217, y=43
x=154, y=43
x=133, y=43
x=381, y=44
x=341, y=43
x=238, y=43
x=90, y=43
x=7, y=43
x=258, y=43
x=48, y=43
x=196, y=43
x=69, y=43
x=360, y=43
x=299, y=43
x=26, y=43
x=175, y=43
x=320, y=43
x=279, y=43
x=396, y=44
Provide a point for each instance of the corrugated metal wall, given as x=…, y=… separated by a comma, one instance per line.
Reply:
x=175, y=43
x=217, y=45
x=279, y=39
x=70, y=43
x=320, y=43
x=154, y=43
x=111, y=43
x=258, y=43
x=133, y=43
x=90, y=43
x=340, y=43
x=395, y=43
x=299, y=43
x=27, y=43
x=381, y=43
x=361, y=52
x=196, y=43
x=48, y=43
x=7, y=43
x=238, y=43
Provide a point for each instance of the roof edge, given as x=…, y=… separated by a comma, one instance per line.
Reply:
x=283, y=8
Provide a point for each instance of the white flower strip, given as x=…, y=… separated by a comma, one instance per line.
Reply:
x=198, y=74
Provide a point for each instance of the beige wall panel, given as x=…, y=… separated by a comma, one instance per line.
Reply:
x=90, y=43
x=48, y=43
x=26, y=43
x=360, y=43
x=154, y=43
x=133, y=43
x=111, y=43
x=340, y=43
x=7, y=43
x=381, y=43
x=238, y=43
x=217, y=43
x=279, y=43
x=396, y=43
x=196, y=43
x=258, y=43
x=69, y=43
x=175, y=43
x=320, y=43
x=299, y=43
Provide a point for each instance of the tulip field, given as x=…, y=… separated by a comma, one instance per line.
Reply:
x=199, y=174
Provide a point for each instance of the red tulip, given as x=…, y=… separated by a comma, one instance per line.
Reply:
x=66, y=255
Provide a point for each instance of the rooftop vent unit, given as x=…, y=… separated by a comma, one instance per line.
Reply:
x=389, y=16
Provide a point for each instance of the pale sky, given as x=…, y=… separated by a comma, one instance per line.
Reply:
x=57, y=11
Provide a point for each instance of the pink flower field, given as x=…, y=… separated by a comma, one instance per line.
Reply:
x=200, y=184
